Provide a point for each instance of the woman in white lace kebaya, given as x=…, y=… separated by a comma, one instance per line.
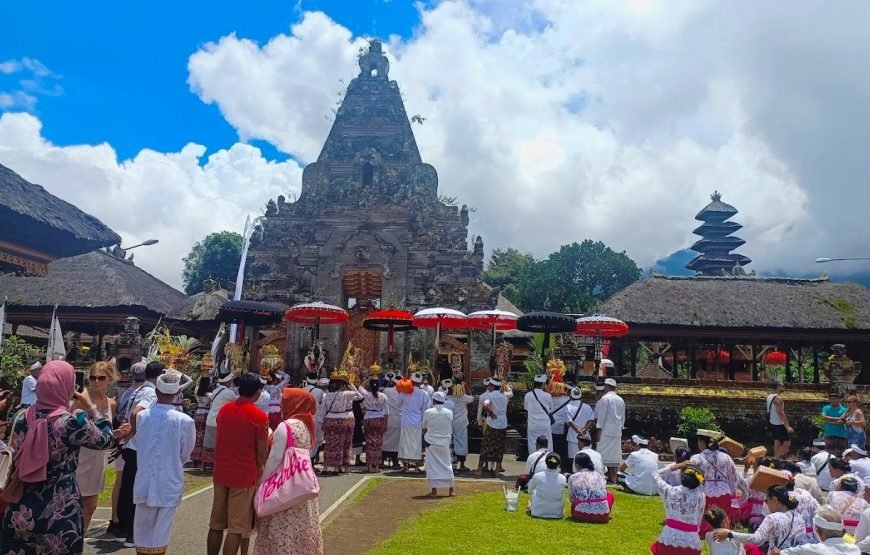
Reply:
x=782, y=528
x=684, y=510
x=587, y=492
x=846, y=497
x=723, y=483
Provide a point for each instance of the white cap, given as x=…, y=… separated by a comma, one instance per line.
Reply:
x=323, y=382
x=636, y=439
x=494, y=382
x=448, y=383
x=35, y=366
x=439, y=397
x=576, y=393
x=819, y=443
x=599, y=388
x=311, y=381
x=169, y=382
x=856, y=450
x=416, y=377
x=606, y=363
x=819, y=522
x=486, y=381
x=610, y=381
x=541, y=378
x=228, y=378
x=390, y=377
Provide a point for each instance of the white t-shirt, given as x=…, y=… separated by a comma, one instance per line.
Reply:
x=823, y=477
x=548, y=488
x=597, y=461
x=861, y=467
x=438, y=422
x=28, y=391
x=146, y=397
x=610, y=410
x=538, y=404
x=219, y=397
x=560, y=410
x=499, y=404
x=580, y=418
x=535, y=462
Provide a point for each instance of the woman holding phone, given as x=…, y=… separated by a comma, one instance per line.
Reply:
x=91, y=471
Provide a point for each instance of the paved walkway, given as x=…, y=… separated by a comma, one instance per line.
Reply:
x=191, y=519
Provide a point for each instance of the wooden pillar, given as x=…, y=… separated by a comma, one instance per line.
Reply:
x=788, y=373
x=633, y=358
x=754, y=362
x=690, y=358
x=815, y=364
x=731, y=362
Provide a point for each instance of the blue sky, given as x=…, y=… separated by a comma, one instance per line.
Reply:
x=119, y=69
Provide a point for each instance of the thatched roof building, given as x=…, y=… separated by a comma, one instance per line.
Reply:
x=737, y=319
x=36, y=227
x=94, y=293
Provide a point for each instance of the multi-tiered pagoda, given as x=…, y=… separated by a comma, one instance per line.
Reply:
x=716, y=241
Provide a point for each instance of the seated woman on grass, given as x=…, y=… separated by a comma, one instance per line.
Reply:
x=587, y=491
x=547, y=489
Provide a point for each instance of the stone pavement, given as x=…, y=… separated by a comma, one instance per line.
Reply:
x=191, y=519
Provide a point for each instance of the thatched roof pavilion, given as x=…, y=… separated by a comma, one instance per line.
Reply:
x=37, y=227
x=735, y=317
x=94, y=293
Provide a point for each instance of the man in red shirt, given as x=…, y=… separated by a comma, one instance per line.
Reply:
x=240, y=452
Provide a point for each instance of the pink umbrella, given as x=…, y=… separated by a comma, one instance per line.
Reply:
x=495, y=320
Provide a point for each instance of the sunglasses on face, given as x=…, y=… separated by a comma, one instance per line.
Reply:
x=98, y=378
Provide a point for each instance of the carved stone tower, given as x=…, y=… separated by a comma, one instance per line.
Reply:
x=368, y=228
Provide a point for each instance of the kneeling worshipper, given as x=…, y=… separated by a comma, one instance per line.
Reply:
x=780, y=529
x=637, y=473
x=684, y=511
x=828, y=527
x=806, y=509
x=587, y=492
x=547, y=489
x=165, y=439
x=848, y=500
x=723, y=482
x=438, y=428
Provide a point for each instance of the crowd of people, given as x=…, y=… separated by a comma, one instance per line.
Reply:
x=64, y=437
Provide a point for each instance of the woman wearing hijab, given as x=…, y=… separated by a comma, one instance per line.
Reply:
x=296, y=529
x=45, y=511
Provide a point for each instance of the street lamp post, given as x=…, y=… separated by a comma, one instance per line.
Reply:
x=147, y=243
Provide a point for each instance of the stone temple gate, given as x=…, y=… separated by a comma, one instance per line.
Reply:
x=368, y=229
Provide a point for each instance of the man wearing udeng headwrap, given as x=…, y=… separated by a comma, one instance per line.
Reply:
x=829, y=529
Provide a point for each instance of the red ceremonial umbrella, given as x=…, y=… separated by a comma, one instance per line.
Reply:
x=721, y=356
x=440, y=319
x=600, y=326
x=775, y=358
x=389, y=320
x=314, y=314
x=495, y=320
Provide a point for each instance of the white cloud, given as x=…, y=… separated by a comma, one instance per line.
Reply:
x=610, y=121
x=173, y=197
x=37, y=80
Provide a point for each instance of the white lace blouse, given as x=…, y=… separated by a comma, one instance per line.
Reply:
x=587, y=491
x=779, y=530
x=850, y=506
x=721, y=477
x=683, y=505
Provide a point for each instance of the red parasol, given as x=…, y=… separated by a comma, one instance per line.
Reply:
x=314, y=314
x=775, y=358
x=495, y=320
x=440, y=319
x=718, y=357
x=389, y=320
x=600, y=326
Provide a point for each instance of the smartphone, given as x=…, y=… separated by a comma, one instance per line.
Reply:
x=80, y=380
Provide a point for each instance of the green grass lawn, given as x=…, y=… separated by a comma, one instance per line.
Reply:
x=478, y=523
x=193, y=480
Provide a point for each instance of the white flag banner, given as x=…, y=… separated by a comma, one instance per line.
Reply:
x=56, y=349
x=240, y=276
x=2, y=323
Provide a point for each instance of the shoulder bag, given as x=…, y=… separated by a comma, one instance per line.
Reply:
x=576, y=414
x=550, y=416
x=291, y=484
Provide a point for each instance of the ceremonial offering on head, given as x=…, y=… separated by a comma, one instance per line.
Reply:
x=677, y=442
x=734, y=448
x=765, y=477
x=755, y=453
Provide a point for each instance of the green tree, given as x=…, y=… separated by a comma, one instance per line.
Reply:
x=216, y=257
x=15, y=360
x=505, y=269
x=576, y=278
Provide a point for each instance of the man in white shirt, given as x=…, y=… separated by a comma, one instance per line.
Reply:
x=394, y=421
x=610, y=411
x=145, y=398
x=312, y=387
x=585, y=445
x=579, y=417
x=28, y=386
x=821, y=462
x=857, y=459
x=493, y=406
x=828, y=526
x=165, y=438
x=637, y=473
x=412, y=405
x=458, y=399
x=535, y=462
x=539, y=408
x=559, y=428
x=438, y=427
